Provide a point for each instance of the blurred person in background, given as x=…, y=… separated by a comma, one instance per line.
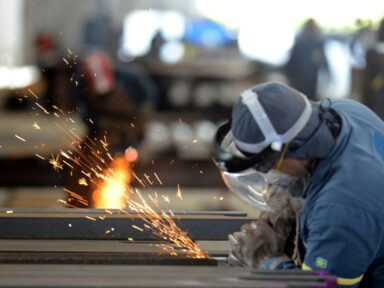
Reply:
x=55, y=73
x=373, y=75
x=361, y=41
x=113, y=102
x=316, y=169
x=306, y=60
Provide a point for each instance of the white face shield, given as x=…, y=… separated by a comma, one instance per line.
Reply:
x=263, y=191
x=252, y=178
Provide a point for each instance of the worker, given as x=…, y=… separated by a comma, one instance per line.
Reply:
x=320, y=162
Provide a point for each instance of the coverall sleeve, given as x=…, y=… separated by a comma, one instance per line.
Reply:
x=342, y=240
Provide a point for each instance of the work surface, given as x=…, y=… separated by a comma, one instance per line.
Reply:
x=83, y=263
x=153, y=276
x=102, y=248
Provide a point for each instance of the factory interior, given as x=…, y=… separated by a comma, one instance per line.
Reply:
x=81, y=81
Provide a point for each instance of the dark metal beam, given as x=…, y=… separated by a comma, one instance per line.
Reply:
x=94, y=224
x=100, y=258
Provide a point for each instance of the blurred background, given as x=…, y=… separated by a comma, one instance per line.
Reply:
x=159, y=75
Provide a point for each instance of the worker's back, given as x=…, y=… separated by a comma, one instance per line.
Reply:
x=342, y=224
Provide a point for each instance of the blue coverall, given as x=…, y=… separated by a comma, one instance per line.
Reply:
x=342, y=222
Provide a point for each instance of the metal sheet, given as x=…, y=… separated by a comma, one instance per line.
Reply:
x=19, y=275
x=94, y=211
x=101, y=258
x=94, y=225
x=114, y=246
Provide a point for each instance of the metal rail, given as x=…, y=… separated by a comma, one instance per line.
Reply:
x=93, y=224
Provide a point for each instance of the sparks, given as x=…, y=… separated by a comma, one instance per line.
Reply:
x=164, y=227
x=55, y=162
x=158, y=179
x=20, y=138
x=36, y=126
x=91, y=218
x=39, y=156
x=42, y=108
x=112, y=184
x=137, y=228
x=166, y=198
x=33, y=94
x=178, y=194
x=83, y=181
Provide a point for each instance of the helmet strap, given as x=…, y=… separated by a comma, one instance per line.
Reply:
x=282, y=156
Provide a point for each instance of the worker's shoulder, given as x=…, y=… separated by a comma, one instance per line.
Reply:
x=356, y=112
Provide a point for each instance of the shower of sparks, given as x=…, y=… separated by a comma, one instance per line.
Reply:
x=111, y=178
x=163, y=226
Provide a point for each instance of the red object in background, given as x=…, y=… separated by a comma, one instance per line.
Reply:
x=45, y=42
x=98, y=70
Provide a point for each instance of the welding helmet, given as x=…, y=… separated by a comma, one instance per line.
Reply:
x=269, y=122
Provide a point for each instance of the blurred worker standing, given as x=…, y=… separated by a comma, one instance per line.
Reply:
x=321, y=163
x=306, y=60
x=115, y=104
x=373, y=76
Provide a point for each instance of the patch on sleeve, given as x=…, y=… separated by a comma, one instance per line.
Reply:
x=321, y=262
x=379, y=144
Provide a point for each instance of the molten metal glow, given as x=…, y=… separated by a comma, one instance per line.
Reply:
x=112, y=192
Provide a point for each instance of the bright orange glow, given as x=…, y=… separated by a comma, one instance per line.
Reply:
x=112, y=191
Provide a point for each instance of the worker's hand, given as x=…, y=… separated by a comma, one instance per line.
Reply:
x=131, y=155
x=258, y=242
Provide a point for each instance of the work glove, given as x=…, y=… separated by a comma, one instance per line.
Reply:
x=282, y=202
x=260, y=244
